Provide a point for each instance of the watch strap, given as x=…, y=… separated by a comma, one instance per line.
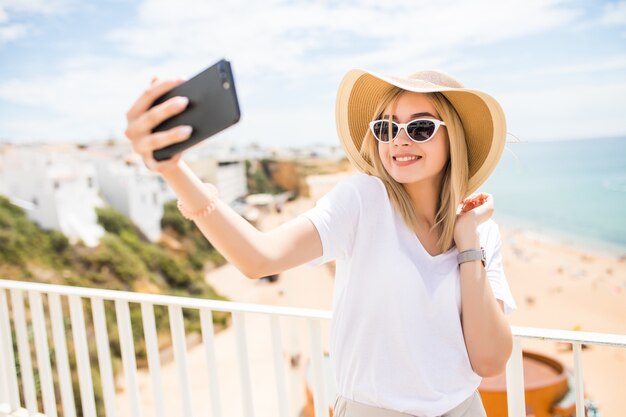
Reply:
x=472, y=255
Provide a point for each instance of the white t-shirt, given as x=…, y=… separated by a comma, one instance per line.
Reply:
x=396, y=339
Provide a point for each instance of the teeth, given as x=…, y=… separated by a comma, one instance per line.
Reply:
x=406, y=158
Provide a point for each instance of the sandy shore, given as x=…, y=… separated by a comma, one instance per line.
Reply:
x=555, y=286
x=559, y=287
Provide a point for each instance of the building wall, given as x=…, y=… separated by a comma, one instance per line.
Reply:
x=146, y=205
x=57, y=191
x=231, y=181
x=113, y=181
x=134, y=192
x=229, y=176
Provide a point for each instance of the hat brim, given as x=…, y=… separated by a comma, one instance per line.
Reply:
x=482, y=117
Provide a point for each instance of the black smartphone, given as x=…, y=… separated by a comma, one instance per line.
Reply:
x=213, y=106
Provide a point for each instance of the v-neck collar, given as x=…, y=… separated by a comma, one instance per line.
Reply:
x=433, y=259
x=418, y=243
x=423, y=249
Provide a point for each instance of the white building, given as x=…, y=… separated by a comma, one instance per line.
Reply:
x=228, y=174
x=59, y=186
x=133, y=190
x=57, y=190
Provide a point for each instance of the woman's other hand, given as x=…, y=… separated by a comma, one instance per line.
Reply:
x=142, y=119
x=475, y=210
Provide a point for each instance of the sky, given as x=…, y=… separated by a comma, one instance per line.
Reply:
x=70, y=69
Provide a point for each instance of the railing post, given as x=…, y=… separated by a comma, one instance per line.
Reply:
x=104, y=356
x=6, y=354
x=244, y=366
x=579, y=389
x=23, y=349
x=60, y=353
x=154, y=360
x=177, y=328
x=515, y=381
x=43, y=353
x=317, y=356
x=124, y=327
x=279, y=368
x=206, y=323
x=82, y=356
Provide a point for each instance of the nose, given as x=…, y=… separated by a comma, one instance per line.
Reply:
x=402, y=138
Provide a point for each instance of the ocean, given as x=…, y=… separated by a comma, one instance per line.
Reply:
x=569, y=191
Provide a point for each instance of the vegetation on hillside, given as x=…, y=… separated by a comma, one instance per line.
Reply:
x=124, y=260
x=260, y=180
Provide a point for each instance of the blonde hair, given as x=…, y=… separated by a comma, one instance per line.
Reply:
x=455, y=178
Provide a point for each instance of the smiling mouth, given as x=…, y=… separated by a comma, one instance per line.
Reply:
x=405, y=159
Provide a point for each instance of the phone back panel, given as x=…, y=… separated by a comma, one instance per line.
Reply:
x=213, y=106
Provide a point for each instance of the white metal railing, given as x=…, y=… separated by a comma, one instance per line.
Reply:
x=14, y=401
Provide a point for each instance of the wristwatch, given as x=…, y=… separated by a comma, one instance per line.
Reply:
x=472, y=255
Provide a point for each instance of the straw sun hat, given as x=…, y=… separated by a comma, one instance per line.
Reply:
x=482, y=117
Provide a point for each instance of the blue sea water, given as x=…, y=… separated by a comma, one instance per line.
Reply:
x=572, y=191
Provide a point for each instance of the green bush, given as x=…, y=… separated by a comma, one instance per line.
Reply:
x=115, y=222
x=115, y=257
x=58, y=242
x=22, y=240
x=174, y=220
x=260, y=181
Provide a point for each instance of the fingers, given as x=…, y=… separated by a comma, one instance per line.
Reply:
x=142, y=118
x=147, y=121
x=156, y=89
x=474, y=201
x=149, y=143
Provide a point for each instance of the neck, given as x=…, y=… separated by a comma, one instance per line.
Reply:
x=425, y=198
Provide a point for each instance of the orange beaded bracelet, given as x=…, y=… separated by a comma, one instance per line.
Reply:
x=203, y=211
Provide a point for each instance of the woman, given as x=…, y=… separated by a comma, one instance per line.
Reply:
x=420, y=296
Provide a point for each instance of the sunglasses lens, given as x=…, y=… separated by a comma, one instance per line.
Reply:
x=421, y=130
x=380, y=129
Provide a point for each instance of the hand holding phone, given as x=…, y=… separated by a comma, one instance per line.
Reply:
x=212, y=107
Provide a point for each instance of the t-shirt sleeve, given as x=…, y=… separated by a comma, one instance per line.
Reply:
x=335, y=216
x=495, y=271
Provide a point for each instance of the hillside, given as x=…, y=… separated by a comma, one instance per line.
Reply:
x=124, y=260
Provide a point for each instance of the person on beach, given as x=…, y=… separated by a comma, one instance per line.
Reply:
x=420, y=295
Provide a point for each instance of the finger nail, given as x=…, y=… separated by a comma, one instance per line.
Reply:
x=184, y=131
x=182, y=101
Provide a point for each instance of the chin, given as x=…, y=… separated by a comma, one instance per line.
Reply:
x=405, y=178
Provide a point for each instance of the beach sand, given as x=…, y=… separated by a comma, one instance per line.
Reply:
x=555, y=285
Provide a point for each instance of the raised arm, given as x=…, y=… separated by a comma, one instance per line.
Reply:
x=255, y=253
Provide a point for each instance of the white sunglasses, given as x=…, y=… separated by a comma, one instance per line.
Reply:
x=419, y=130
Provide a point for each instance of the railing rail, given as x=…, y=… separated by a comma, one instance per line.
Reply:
x=20, y=394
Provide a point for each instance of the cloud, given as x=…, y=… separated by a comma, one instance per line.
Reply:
x=88, y=99
x=44, y=7
x=540, y=73
x=279, y=37
x=585, y=110
x=614, y=13
x=288, y=58
x=10, y=31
